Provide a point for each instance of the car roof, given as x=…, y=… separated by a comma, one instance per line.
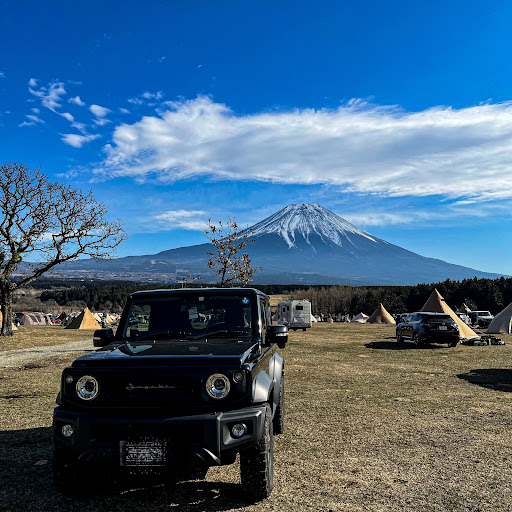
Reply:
x=429, y=313
x=189, y=291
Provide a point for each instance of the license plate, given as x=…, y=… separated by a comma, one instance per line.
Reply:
x=143, y=453
x=443, y=328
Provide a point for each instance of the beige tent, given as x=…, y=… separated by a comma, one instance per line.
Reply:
x=85, y=320
x=502, y=322
x=464, y=309
x=361, y=318
x=381, y=316
x=436, y=304
x=14, y=328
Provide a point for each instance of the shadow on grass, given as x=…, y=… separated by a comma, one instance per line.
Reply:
x=492, y=378
x=394, y=345
x=27, y=484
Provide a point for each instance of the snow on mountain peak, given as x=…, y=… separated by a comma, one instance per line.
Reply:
x=306, y=220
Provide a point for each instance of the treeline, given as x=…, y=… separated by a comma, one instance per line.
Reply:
x=486, y=294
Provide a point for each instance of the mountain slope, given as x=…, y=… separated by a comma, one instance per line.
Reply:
x=302, y=243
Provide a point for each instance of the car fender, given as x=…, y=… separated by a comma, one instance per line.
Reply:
x=262, y=387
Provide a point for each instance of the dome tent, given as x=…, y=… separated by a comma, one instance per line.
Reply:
x=464, y=309
x=436, y=304
x=381, y=316
x=502, y=322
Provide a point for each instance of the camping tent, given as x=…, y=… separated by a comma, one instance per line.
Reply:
x=360, y=318
x=62, y=316
x=27, y=318
x=502, y=322
x=436, y=304
x=381, y=316
x=464, y=309
x=85, y=320
x=313, y=319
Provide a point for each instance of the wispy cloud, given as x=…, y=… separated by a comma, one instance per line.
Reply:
x=193, y=220
x=77, y=141
x=124, y=110
x=2, y=74
x=359, y=147
x=77, y=101
x=50, y=95
x=33, y=82
x=32, y=120
x=100, y=113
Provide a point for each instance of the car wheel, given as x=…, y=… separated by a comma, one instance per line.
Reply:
x=68, y=475
x=416, y=339
x=257, y=463
x=453, y=343
x=399, y=338
x=278, y=422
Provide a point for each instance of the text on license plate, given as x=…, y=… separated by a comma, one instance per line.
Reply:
x=443, y=328
x=143, y=453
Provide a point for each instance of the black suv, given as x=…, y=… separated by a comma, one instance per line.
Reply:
x=191, y=378
x=423, y=328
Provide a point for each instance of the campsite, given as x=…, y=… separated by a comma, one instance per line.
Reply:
x=388, y=427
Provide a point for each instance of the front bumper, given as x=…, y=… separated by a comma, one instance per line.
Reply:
x=198, y=439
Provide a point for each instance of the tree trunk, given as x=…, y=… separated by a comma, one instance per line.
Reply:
x=6, y=308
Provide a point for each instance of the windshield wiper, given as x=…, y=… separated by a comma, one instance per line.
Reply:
x=221, y=332
x=161, y=334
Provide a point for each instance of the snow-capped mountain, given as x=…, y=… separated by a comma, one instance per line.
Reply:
x=302, y=243
x=304, y=220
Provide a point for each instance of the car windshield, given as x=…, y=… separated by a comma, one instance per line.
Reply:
x=438, y=319
x=484, y=313
x=189, y=317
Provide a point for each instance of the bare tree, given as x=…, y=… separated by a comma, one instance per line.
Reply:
x=49, y=222
x=227, y=263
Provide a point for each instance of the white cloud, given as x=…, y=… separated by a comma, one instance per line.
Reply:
x=152, y=95
x=77, y=101
x=32, y=120
x=50, y=95
x=32, y=82
x=67, y=116
x=2, y=74
x=359, y=147
x=124, y=110
x=35, y=110
x=77, y=141
x=99, y=111
x=135, y=101
x=184, y=219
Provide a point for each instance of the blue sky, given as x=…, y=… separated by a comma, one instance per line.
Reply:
x=395, y=115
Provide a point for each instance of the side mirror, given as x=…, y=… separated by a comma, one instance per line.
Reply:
x=103, y=337
x=277, y=334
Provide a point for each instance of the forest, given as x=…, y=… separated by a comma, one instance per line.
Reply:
x=334, y=300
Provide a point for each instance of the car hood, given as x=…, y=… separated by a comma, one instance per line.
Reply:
x=170, y=353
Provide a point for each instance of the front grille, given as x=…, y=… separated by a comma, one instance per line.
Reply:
x=113, y=433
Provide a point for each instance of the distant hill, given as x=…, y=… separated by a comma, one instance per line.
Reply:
x=302, y=243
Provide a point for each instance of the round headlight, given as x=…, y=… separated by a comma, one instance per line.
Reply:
x=87, y=387
x=217, y=386
x=238, y=377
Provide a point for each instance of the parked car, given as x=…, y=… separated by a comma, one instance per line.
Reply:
x=481, y=318
x=191, y=379
x=423, y=327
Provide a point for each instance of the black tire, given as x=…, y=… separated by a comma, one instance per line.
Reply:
x=399, y=338
x=416, y=339
x=257, y=463
x=68, y=476
x=278, y=422
x=453, y=343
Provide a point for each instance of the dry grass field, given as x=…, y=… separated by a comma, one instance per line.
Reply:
x=30, y=336
x=372, y=425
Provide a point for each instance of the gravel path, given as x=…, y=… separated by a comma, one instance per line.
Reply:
x=25, y=356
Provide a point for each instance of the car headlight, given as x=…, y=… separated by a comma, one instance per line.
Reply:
x=217, y=386
x=87, y=387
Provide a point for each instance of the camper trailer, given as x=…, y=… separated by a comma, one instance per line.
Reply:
x=295, y=314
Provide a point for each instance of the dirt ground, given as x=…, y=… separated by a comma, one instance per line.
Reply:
x=372, y=425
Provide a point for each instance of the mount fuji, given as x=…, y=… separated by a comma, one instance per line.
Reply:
x=300, y=244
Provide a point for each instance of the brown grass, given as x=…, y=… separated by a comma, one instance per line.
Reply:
x=30, y=336
x=371, y=425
